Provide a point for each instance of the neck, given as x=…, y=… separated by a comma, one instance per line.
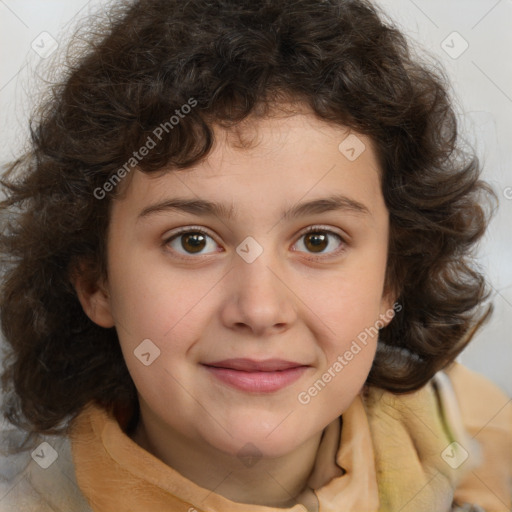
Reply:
x=265, y=481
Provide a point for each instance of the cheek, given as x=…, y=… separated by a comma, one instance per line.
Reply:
x=352, y=303
x=155, y=318
x=347, y=357
x=145, y=300
x=353, y=342
x=351, y=310
x=167, y=307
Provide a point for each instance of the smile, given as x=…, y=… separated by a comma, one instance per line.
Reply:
x=256, y=376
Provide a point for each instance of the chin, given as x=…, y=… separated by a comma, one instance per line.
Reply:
x=257, y=438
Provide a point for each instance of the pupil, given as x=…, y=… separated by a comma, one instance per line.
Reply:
x=196, y=242
x=318, y=241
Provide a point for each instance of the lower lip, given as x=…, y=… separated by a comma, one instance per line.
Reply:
x=257, y=382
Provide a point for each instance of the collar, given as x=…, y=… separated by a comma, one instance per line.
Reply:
x=386, y=457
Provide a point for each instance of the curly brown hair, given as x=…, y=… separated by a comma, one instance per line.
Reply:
x=341, y=58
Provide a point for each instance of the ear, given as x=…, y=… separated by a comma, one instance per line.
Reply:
x=93, y=295
x=389, y=307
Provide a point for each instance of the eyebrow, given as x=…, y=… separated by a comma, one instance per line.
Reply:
x=203, y=208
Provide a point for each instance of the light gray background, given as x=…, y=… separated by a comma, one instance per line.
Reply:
x=482, y=83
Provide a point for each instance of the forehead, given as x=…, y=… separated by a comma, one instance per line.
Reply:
x=265, y=164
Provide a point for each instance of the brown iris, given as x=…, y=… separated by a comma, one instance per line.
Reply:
x=316, y=241
x=193, y=242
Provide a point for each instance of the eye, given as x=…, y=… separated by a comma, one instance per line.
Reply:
x=194, y=241
x=190, y=241
x=318, y=239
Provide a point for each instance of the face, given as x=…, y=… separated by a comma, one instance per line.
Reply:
x=246, y=290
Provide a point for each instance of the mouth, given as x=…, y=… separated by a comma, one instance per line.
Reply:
x=254, y=376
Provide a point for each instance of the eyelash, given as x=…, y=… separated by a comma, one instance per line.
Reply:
x=310, y=229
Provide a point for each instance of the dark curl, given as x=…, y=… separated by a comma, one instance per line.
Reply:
x=343, y=60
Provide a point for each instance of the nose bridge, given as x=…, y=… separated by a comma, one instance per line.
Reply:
x=259, y=298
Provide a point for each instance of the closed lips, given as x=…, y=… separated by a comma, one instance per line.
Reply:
x=250, y=365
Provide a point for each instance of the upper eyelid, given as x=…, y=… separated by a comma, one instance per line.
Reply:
x=319, y=227
x=192, y=229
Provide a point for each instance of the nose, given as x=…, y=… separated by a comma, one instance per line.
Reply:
x=259, y=300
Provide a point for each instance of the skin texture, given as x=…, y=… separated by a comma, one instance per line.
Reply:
x=206, y=307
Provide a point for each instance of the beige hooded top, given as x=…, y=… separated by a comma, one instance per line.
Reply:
x=434, y=450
